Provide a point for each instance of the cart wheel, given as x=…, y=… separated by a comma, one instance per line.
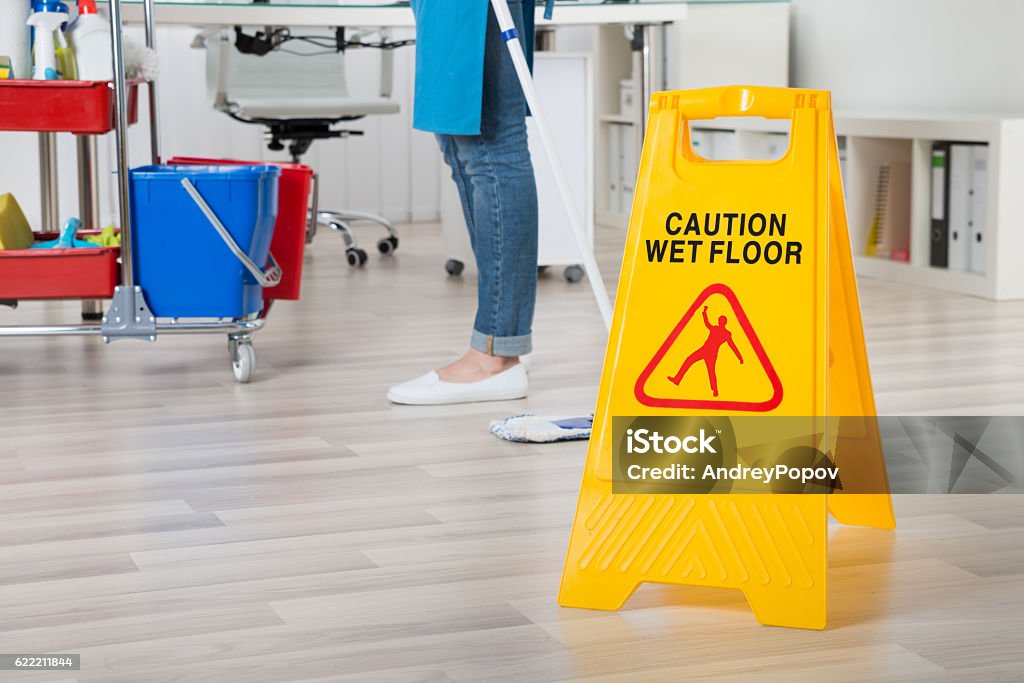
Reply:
x=541, y=270
x=573, y=273
x=388, y=245
x=355, y=256
x=244, y=362
x=454, y=266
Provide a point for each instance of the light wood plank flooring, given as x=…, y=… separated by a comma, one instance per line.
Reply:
x=170, y=525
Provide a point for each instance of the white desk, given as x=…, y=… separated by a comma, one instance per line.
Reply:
x=340, y=13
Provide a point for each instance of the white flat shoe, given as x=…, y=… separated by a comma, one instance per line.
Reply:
x=430, y=390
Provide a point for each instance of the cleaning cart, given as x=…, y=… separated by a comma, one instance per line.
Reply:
x=195, y=240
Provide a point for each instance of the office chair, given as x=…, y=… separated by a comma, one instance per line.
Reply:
x=294, y=85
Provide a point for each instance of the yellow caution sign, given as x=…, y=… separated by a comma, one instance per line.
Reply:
x=736, y=298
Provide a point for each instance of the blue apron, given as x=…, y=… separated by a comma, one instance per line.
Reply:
x=450, y=37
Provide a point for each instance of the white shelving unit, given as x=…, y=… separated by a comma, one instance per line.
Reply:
x=614, y=62
x=737, y=42
x=873, y=139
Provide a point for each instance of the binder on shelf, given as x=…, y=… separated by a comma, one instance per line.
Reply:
x=615, y=167
x=979, y=209
x=630, y=164
x=881, y=196
x=961, y=171
x=940, y=205
x=841, y=142
x=895, y=215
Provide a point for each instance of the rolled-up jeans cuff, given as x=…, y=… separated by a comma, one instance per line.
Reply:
x=501, y=346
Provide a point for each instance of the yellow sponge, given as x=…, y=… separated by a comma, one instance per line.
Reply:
x=15, y=232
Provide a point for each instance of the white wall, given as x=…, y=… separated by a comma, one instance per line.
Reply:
x=950, y=55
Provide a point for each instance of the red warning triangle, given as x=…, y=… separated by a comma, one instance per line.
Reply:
x=707, y=355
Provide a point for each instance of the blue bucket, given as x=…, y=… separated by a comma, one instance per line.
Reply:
x=180, y=260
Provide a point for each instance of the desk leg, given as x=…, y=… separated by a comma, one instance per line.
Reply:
x=48, y=182
x=89, y=205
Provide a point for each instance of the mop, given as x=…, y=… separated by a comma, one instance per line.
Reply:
x=528, y=428
x=532, y=428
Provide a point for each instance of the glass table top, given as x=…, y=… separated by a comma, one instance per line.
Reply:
x=391, y=4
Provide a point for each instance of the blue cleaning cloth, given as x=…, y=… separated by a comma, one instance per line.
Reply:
x=529, y=428
x=67, y=238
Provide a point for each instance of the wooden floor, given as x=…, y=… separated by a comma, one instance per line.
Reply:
x=170, y=525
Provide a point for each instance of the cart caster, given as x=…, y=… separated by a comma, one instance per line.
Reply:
x=541, y=270
x=454, y=266
x=355, y=256
x=573, y=274
x=244, y=361
x=387, y=246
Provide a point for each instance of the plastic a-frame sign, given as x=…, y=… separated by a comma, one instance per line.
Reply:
x=736, y=297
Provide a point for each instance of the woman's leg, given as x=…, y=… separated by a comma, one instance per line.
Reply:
x=495, y=180
x=449, y=151
x=501, y=204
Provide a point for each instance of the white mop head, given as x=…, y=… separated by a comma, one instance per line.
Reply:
x=537, y=429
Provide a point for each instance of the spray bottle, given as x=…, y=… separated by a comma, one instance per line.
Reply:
x=89, y=35
x=14, y=37
x=47, y=16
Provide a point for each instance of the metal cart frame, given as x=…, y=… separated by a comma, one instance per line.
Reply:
x=129, y=316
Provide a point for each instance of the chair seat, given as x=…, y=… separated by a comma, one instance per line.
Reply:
x=270, y=107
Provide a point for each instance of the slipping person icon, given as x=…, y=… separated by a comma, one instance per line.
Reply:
x=708, y=352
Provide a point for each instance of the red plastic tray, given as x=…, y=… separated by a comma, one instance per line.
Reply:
x=289, y=243
x=81, y=107
x=59, y=273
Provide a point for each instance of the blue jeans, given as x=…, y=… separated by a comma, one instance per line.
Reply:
x=496, y=184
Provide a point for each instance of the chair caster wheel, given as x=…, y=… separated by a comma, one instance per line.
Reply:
x=454, y=266
x=573, y=274
x=355, y=256
x=388, y=245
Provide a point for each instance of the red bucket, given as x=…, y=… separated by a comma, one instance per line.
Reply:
x=289, y=243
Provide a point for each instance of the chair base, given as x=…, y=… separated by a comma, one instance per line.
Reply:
x=339, y=222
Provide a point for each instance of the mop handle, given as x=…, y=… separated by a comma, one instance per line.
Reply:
x=511, y=37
